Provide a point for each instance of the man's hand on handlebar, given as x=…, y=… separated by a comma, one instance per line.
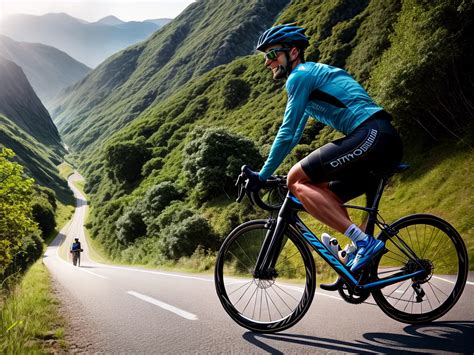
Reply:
x=253, y=180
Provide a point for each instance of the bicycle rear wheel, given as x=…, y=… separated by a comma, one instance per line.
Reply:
x=422, y=242
x=264, y=305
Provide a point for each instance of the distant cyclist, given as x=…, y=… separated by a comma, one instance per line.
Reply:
x=337, y=171
x=76, y=252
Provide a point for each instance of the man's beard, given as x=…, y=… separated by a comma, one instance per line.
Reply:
x=280, y=73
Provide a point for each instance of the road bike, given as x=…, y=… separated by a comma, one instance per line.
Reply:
x=265, y=273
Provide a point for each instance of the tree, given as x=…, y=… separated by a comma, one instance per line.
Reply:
x=16, y=222
x=43, y=214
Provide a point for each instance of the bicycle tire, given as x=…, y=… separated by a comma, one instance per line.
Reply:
x=244, y=243
x=447, y=278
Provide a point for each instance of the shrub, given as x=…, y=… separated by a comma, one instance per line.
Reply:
x=158, y=197
x=213, y=160
x=235, y=93
x=130, y=226
x=182, y=238
x=150, y=165
x=125, y=160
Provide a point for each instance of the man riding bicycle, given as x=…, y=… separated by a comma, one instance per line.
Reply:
x=340, y=170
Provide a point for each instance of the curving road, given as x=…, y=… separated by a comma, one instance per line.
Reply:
x=133, y=310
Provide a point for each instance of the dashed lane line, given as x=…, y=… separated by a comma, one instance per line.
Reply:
x=163, y=305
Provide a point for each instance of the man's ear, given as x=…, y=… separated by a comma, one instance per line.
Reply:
x=294, y=53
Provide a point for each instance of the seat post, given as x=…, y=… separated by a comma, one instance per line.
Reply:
x=373, y=201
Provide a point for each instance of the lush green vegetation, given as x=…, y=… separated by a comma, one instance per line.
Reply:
x=408, y=54
x=30, y=321
x=20, y=242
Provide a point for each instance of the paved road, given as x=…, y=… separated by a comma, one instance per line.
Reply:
x=132, y=310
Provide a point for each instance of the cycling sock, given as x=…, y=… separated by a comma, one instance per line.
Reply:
x=355, y=234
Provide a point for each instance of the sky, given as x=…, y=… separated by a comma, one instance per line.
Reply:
x=93, y=10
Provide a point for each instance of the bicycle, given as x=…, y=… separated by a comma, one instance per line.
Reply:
x=76, y=257
x=265, y=274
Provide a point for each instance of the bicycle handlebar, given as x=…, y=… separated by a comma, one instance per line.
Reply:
x=273, y=182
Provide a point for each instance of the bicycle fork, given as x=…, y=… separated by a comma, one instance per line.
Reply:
x=273, y=243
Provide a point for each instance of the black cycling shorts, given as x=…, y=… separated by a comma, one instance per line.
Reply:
x=350, y=164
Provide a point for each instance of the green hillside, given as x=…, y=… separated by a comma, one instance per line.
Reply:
x=19, y=102
x=169, y=173
x=207, y=34
x=39, y=160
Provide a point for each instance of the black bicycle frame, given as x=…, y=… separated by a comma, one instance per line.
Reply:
x=288, y=218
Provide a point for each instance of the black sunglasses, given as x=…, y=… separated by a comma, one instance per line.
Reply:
x=273, y=53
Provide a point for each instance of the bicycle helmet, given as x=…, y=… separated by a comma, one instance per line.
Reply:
x=288, y=34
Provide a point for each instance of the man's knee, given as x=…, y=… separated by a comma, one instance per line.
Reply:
x=296, y=176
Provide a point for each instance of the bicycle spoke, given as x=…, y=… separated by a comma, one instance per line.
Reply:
x=250, y=282
x=255, y=305
x=268, y=306
x=286, y=293
x=287, y=258
x=244, y=294
x=276, y=293
x=249, y=300
x=251, y=262
x=400, y=261
x=432, y=284
x=434, y=233
x=271, y=299
x=408, y=301
x=395, y=290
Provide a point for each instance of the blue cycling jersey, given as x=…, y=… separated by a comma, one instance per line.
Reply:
x=329, y=95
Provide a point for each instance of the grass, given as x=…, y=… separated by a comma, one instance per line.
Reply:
x=65, y=169
x=30, y=321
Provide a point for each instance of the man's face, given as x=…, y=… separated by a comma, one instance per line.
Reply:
x=278, y=64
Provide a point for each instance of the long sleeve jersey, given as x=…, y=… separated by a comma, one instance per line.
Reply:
x=327, y=94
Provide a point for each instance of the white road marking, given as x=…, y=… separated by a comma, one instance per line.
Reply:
x=93, y=273
x=163, y=305
x=451, y=282
x=157, y=273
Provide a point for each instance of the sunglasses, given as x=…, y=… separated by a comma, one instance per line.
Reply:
x=272, y=54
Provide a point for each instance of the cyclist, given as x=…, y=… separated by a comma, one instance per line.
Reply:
x=340, y=170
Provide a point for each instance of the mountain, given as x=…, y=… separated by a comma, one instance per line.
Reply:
x=205, y=35
x=110, y=20
x=27, y=128
x=89, y=43
x=159, y=21
x=19, y=102
x=48, y=70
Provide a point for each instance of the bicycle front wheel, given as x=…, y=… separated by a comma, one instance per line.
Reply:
x=421, y=242
x=264, y=305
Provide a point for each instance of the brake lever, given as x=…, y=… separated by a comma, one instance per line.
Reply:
x=241, y=189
